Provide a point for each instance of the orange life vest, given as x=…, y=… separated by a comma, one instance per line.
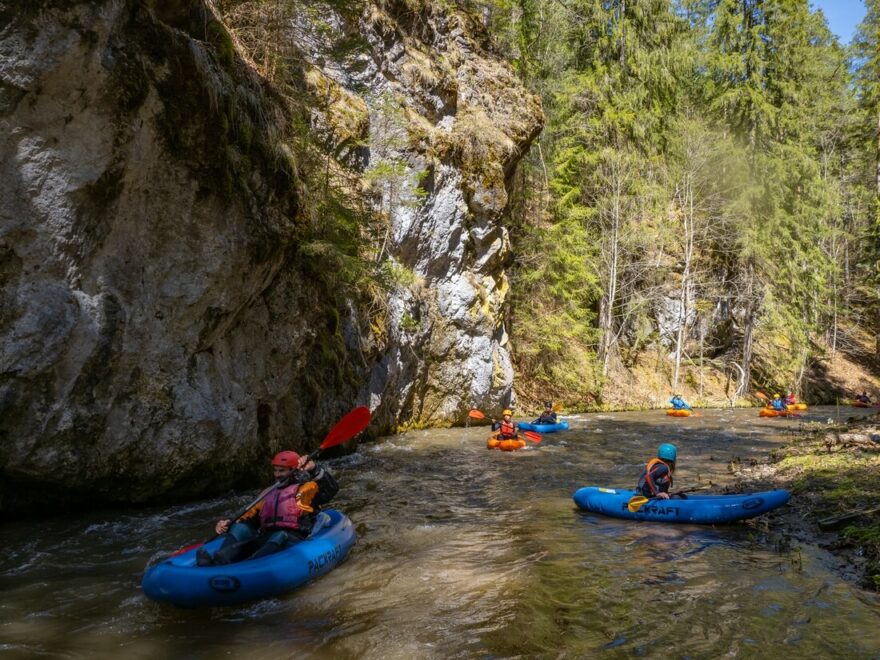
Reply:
x=650, y=481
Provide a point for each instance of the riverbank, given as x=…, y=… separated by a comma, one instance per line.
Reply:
x=832, y=472
x=834, y=377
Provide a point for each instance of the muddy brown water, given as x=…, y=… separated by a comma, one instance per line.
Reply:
x=463, y=552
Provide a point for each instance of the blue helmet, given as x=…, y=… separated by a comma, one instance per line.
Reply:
x=666, y=452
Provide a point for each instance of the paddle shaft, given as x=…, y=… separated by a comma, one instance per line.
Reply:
x=681, y=491
x=689, y=490
x=636, y=502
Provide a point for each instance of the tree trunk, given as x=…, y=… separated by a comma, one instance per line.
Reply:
x=803, y=368
x=702, y=344
x=834, y=327
x=610, y=298
x=687, y=207
x=877, y=165
x=748, y=331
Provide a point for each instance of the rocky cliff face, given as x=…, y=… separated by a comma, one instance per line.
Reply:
x=466, y=124
x=163, y=328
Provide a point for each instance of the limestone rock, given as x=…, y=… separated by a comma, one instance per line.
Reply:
x=161, y=331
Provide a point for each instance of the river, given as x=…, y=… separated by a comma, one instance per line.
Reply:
x=463, y=552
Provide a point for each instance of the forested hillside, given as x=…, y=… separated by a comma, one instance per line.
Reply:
x=701, y=210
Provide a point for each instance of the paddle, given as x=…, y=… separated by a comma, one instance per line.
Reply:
x=345, y=429
x=636, y=502
x=531, y=435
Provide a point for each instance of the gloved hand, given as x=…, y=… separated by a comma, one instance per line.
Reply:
x=306, y=463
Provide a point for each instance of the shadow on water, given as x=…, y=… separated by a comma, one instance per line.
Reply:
x=464, y=552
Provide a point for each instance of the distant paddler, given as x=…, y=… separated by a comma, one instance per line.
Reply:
x=548, y=416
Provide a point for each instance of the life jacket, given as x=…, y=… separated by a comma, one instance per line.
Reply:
x=281, y=510
x=643, y=480
x=507, y=429
x=789, y=400
x=777, y=404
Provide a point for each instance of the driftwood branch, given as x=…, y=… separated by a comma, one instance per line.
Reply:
x=835, y=522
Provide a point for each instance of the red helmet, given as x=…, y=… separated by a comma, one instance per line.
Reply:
x=286, y=459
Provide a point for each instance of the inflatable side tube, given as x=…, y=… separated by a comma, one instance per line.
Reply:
x=178, y=580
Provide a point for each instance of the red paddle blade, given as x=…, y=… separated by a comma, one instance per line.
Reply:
x=187, y=549
x=534, y=437
x=761, y=395
x=347, y=427
x=476, y=414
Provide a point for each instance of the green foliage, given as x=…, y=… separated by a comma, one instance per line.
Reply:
x=394, y=275
x=750, y=106
x=866, y=53
x=409, y=323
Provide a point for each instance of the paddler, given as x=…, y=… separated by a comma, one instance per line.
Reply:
x=507, y=430
x=864, y=398
x=678, y=403
x=656, y=478
x=777, y=403
x=548, y=416
x=284, y=517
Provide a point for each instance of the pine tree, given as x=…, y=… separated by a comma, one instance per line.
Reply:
x=775, y=72
x=866, y=49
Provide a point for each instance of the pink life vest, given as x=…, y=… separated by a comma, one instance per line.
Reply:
x=280, y=509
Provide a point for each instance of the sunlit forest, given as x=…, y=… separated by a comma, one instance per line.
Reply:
x=704, y=194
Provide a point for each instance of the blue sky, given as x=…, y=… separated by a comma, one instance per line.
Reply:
x=842, y=15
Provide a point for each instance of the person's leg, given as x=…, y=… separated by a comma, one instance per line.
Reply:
x=236, y=545
x=275, y=542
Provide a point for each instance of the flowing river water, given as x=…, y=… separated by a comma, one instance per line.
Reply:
x=464, y=552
